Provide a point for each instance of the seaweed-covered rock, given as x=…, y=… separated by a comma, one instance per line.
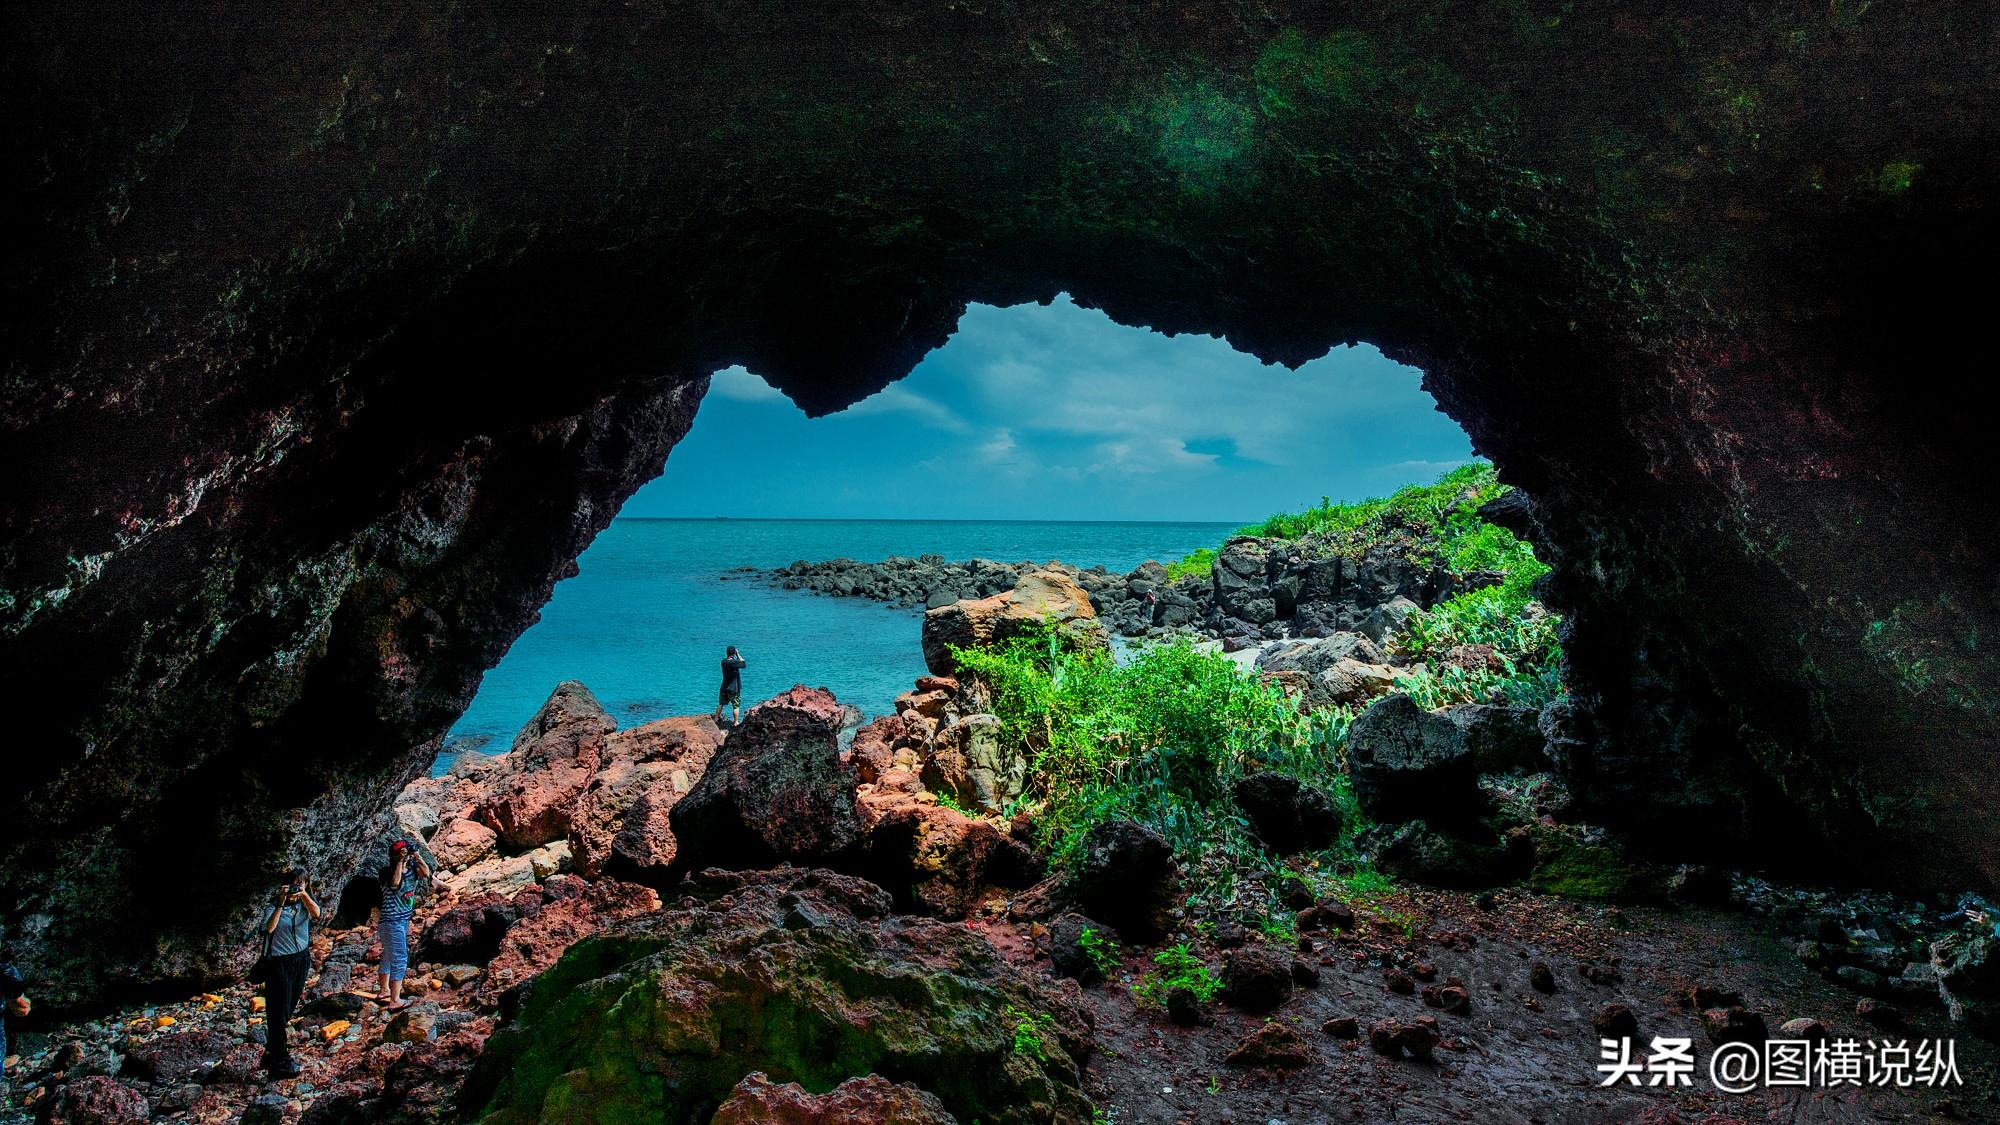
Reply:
x=804, y=975
x=1422, y=853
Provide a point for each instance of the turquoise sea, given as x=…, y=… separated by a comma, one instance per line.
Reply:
x=645, y=620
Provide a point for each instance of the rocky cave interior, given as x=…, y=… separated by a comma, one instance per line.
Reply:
x=331, y=346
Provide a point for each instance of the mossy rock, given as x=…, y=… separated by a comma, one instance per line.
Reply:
x=1573, y=864
x=802, y=975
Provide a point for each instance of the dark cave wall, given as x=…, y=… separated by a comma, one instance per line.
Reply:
x=331, y=338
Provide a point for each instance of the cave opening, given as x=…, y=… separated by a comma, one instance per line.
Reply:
x=1043, y=432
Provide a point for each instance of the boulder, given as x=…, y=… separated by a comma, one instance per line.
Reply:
x=469, y=932
x=1424, y=854
x=621, y=823
x=1070, y=952
x=1040, y=596
x=175, y=1057
x=549, y=859
x=553, y=917
x=870, y=1100
x=972, y=760
x=459, y=844
x=1733, y=1025
x=1408, y=763
x=802, y=971
x=1257, y=978
x=1501, y=738
x=416, y=818
x=1352, y=682
x=935, y=860
x=776, y=792
x=501, y=875
x=1126, y=877
x=1287, y=816
x=1315, y=655
x=551, y=761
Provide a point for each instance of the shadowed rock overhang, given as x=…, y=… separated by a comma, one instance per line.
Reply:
x=330, y=343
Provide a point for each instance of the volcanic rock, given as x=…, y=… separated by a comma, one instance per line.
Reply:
x=1408, y=763
x=869, y=1100
x=1040, y=597
x=1288, y=817
x=857, y=990
x=1275, y=1045
x=1257, y=978
x=1127, y=877
x=776, y=792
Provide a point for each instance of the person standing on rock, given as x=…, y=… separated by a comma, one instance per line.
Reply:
x=289, y=931
x=732, y=687
x=405, y=876
x=14, y=990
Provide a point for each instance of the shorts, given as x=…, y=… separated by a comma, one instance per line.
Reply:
x=731, y=697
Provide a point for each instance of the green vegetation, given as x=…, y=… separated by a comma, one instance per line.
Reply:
x=1102, y=951
x=1028, y=1030
x=1195, y=564
x=1161, y=738
x=1176, y=967
x=1157, y=740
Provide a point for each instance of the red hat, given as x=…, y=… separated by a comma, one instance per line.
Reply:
x=399, y=846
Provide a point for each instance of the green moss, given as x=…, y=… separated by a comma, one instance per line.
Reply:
x=1569, y=866
x=1897, y=176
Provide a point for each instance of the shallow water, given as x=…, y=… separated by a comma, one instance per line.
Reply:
x=645, y=620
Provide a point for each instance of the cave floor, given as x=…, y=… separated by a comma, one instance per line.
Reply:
x=1517, y=1055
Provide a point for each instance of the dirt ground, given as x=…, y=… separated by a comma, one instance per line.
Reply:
x=1517, y=1055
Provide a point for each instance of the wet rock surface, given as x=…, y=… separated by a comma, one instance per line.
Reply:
x=805, y=975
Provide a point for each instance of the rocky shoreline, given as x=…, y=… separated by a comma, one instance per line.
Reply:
x=826, y=930
x=1256, y=590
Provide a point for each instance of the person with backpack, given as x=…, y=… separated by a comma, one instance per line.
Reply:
x=287, y=941
x=13, y=990
x=732, y=687
x=402, y=880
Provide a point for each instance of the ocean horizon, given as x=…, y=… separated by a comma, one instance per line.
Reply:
x=656, y=599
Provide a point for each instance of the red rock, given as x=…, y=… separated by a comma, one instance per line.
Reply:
x=777, y=791
x=1272, y=1045
x=1615, y=1021
x=571, y=910
x=552, y=760
x=622, y=823
x=874, y=748
x=96, y=1100
x=1038, y=597
x=937, y=857
x=872, y=1100
x=176, y=1057
x=460, y=843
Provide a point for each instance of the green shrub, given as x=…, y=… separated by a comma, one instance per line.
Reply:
x=1102, y=951
x=1175, y=967
x=1195, y=564
x=1029, y=1027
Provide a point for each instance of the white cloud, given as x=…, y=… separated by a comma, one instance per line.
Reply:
x=739, y=384
x=898, y=399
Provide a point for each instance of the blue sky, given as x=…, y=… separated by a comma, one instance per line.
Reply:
x=1057, y=412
